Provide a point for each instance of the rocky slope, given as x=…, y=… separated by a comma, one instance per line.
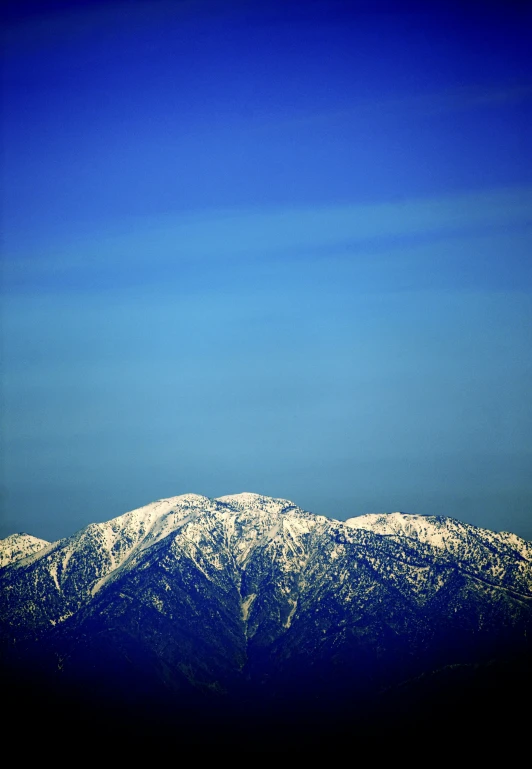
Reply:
x=250, y=602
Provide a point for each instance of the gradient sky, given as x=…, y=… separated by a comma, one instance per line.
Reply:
x=271, y=247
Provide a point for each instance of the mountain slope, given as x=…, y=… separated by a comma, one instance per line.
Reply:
x=18, y=546
x=244, y=600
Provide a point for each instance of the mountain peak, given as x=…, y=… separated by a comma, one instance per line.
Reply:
x=248, y=501
x=18, y=546
x=249, y=596
x=249, y=498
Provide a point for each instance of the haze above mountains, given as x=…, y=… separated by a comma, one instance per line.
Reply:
x=280, y=246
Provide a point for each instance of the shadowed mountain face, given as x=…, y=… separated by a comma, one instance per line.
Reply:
x=248, y=610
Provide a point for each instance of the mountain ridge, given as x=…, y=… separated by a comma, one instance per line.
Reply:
x=247, y=602
x=11, y=546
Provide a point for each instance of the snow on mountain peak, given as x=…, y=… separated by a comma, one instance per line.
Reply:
x=247, y=501
x=229, y=542
x=19, y=546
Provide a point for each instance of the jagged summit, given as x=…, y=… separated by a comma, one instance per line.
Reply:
x=149, y=524
x=436, y=530
x=190, y=598
x=249, y=501
x=18, y=546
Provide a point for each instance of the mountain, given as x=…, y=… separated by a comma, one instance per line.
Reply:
x=247, y=610
x=18, y=546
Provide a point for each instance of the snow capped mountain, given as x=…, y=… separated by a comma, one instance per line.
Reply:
x=502, y=558
x=246, y=599
x=18, y=546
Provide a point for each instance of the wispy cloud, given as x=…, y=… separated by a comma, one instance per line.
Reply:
x=251, y=234
x=413, y=106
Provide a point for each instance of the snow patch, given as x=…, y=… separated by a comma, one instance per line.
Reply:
x=246, y=605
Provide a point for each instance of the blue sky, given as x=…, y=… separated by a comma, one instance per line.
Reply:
x=271, y=247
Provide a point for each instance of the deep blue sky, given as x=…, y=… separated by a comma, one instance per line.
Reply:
x=272, y=247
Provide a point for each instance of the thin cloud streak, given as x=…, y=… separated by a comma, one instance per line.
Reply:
x=252, y=234
x=411, y=106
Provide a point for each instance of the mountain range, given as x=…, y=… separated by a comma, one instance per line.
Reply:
x=254, y=616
